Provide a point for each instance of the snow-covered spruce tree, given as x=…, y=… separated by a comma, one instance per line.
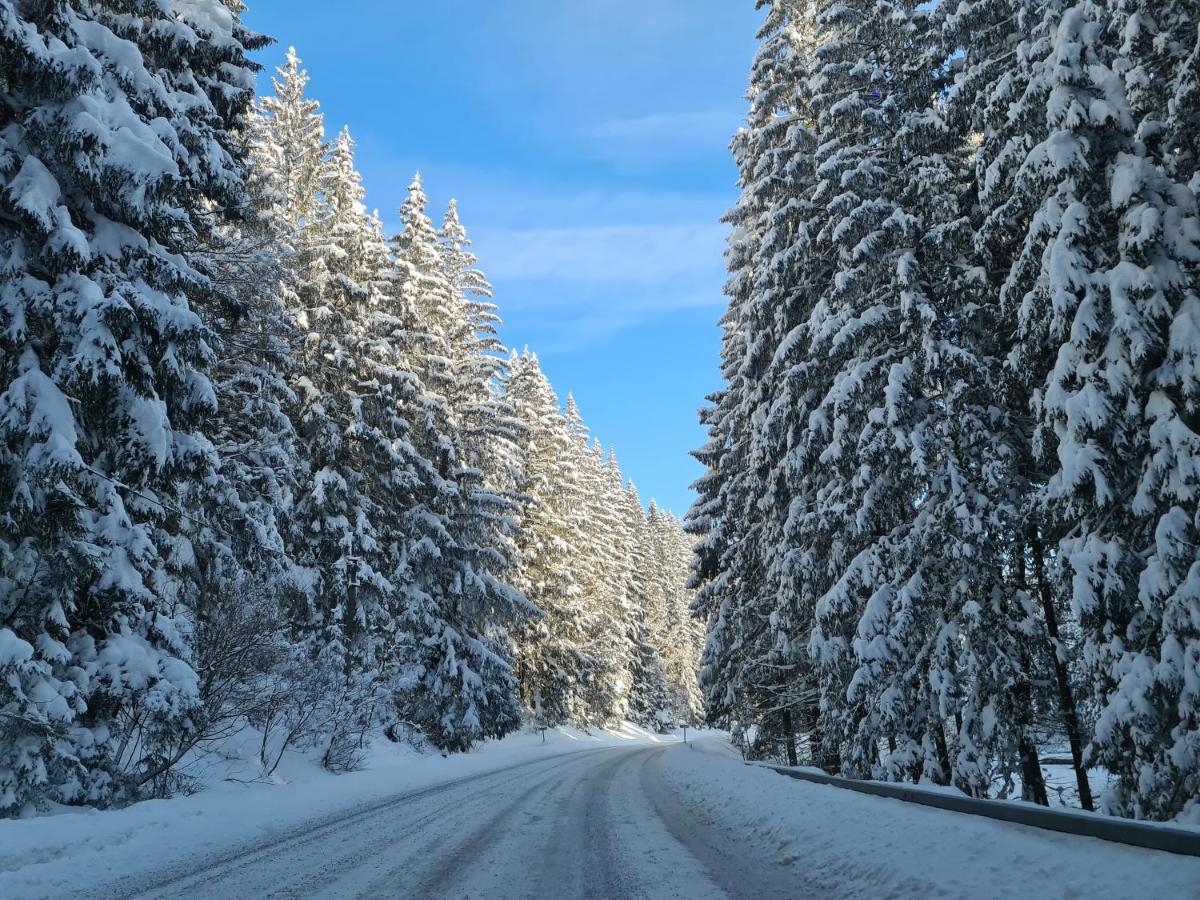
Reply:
x=357, y=371
x=345, y=534
x=480, y=359
x=1095, y=242
x=1161, y=270
x=681, y=641
x=1158, y=59
x=598, y=570
x=245, y=258
x=116, y=132
x=892, y=525
x=338, y=608
x=707, y=525
x=463, y=609
x=293, y=147
x=752, y=673
x=666, y=554
x=668, y=600
x=241, y=568
x=979, y=106
x=1102, y=293
x=609, y=697
x=649, y=694
x=621, y=610
x=555, y=667
x=649, y=699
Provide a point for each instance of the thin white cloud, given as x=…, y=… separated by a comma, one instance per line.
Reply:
x=645, y=141
x=640, y=254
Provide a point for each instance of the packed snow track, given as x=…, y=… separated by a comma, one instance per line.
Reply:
x=647, y=817
x=597, y=823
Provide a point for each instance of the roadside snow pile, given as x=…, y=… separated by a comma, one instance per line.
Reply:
x=904, y=850
x=75, y=849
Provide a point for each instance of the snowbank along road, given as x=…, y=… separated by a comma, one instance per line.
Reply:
x=658, y=821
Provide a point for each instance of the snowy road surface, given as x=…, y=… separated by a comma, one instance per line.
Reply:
x=597, y=823
x=640, y=820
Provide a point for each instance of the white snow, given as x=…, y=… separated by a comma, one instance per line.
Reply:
x=13, y=650
x=845, y=844
x=76, y=850
x=710, y=819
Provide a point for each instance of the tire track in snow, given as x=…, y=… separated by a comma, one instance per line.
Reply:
x=191, y=877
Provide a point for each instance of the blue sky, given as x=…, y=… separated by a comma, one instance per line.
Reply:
x=586, y=142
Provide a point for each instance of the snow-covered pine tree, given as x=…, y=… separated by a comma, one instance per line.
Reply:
x=117, y=131
x=293, y=148
x=480, y=360
x=554, y=666
x=1097, y=245
x=598, y=570
x=893, y=466
x=241, y=567
x=740, y=577
x=649, y=699
x=681, y=642
x=979, y=106
x=1158, y=59
x=457, y=562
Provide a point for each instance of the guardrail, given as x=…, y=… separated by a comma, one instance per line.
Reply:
x=1154, y=836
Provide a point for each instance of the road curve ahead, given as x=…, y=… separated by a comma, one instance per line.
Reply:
x=595, y=824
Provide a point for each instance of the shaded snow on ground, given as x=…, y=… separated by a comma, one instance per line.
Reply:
x=844, y=844
x=73, y=850
x=1062, y=789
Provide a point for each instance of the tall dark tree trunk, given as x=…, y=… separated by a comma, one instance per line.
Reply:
x=1033, y=783
x=832, y=757
x=825, y=757
x=789, y=734
x=943, y=752
x=815, y=750
x=1066, y=699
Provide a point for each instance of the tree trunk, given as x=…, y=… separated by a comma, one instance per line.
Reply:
x=1033, y=784
x=1066, y=699
x=815, y=751
x=824, y=758
x=790, y=738
x=943, y=752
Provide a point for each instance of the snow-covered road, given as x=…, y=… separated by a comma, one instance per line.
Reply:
x=639, y=819
x=597, y=823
